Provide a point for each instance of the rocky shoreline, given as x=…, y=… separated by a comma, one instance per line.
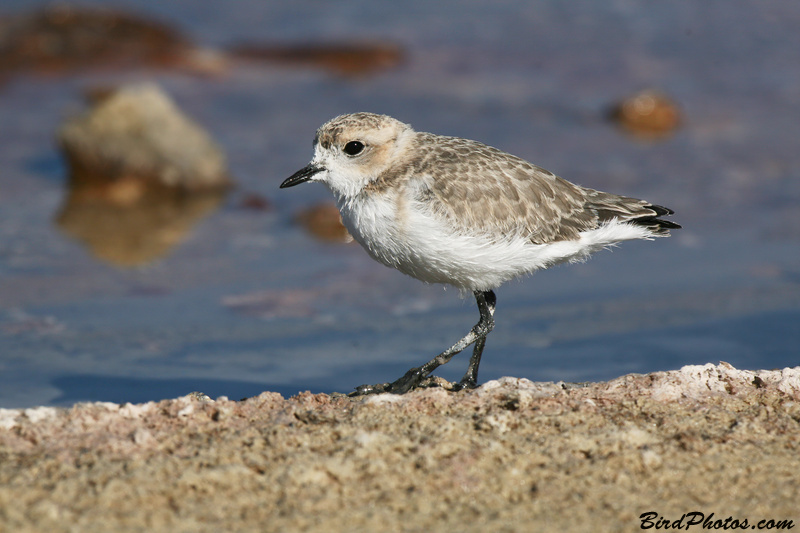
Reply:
x=512, y=455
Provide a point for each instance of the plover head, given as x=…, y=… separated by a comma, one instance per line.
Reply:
x=352, y=150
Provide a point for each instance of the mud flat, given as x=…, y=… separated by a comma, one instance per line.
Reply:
x=513, y=455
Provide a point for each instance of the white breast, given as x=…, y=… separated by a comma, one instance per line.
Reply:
x=372, y=220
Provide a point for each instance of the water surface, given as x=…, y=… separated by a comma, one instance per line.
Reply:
x=249, y=301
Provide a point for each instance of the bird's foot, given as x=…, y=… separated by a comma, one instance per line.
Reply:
x=365, y=390
x=413, y=379
x=465, y=384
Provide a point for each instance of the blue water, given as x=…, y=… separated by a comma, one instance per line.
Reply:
x=534, y=79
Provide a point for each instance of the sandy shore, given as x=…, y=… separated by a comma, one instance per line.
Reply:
x=512, y=455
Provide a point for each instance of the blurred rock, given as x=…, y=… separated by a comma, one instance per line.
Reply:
x=255, y=202
x=648, y=114
x=348, y=59
x=137, y=132
x=324, y=222
x=64, y=38
x=130, y=223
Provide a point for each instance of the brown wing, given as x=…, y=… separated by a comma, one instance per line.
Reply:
x=481, y=189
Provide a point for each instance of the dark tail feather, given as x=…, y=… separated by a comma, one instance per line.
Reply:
x=610, y=207
x=655, y=224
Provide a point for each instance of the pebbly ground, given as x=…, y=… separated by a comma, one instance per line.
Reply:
x=512, y=455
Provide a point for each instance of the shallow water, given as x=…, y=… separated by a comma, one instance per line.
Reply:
x=248, y=301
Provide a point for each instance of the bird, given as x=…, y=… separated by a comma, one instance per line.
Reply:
x=459, y=212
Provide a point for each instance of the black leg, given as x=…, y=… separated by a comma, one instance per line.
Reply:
x=470, y=379
x=486, y=304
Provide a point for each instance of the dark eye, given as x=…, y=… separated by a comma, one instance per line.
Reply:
x=353, y=147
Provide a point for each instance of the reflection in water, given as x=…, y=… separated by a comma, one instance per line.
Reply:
x=129, y=222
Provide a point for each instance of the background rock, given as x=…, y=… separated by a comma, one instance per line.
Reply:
x=138, y=132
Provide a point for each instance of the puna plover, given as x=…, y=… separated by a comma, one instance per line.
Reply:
x=455, y=211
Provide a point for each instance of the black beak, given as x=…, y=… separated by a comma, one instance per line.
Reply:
x=302, y=175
